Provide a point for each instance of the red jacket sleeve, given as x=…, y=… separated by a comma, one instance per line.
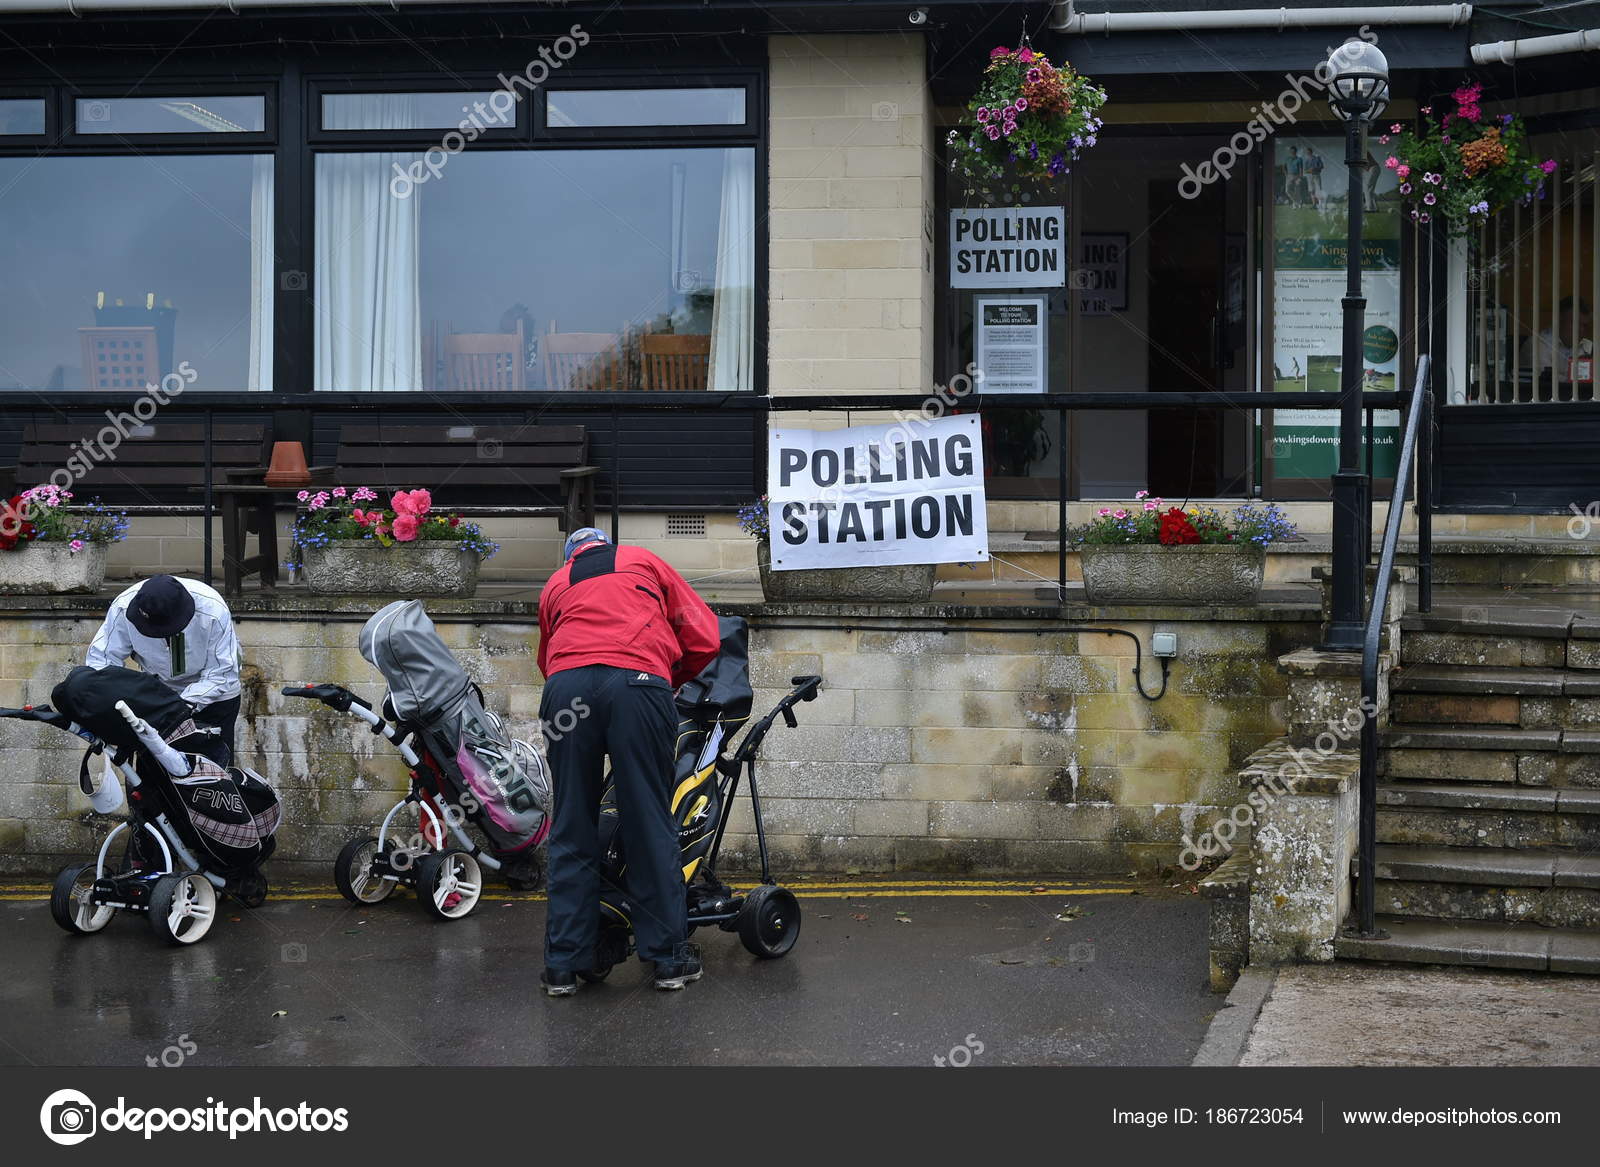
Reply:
x=544, y=628
x=694, y=624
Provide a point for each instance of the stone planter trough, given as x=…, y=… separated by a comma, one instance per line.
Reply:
x=911, y=583
x=36, y=568
x=1149, y=573
x=417, y=569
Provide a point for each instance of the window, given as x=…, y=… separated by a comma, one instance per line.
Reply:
x=417, y=111
x=124, y=270
x=571, y=270
x=570, y=108
x=21, y=115
x=171, y=115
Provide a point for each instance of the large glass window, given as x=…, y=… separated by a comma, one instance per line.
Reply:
x=416, y=111
x=123, y=270
x=574, y=270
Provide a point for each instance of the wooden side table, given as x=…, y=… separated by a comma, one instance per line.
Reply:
x=250, y=508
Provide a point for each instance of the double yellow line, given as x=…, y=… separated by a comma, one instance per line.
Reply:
x=812, y=888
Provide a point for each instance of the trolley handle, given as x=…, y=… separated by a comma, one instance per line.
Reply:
x=41, y=713
x=333, y=696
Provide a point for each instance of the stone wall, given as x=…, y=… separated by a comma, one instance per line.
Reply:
x=945, y=739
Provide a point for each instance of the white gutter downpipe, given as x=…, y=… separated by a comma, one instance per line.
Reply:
x=1510, y=52
x=1064, y=19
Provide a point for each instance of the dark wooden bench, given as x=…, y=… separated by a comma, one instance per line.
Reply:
x=515, y=465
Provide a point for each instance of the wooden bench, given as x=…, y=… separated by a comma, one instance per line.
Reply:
x=518, y=464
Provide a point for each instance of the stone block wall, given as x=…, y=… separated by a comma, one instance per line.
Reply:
x=944, y=739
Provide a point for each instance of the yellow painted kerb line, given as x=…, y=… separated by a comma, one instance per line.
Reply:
x=34, y=893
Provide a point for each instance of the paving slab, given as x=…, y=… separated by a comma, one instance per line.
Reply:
x=1347, y=1014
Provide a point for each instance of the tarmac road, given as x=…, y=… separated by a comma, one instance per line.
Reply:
x=885, y=972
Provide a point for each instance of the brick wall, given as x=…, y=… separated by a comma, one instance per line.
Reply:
x=851, y=191
x=941, y=742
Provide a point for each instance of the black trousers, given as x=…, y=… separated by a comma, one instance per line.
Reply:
x=225, y=716
x=630, y=716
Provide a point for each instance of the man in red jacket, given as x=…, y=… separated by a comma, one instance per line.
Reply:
x=619, y=631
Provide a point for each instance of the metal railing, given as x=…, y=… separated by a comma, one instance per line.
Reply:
x=1418, y=420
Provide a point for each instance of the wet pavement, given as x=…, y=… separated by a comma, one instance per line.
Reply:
x=885, y=972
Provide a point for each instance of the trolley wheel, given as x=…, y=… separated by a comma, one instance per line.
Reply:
x=252, y=890
x=769, y=921
x=449, y=883
x=182, y=908
x=69, y=901
x=352, y=873
x=610, y=950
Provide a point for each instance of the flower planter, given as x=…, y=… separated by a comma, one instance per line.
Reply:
x=417, y=569
x=36, y=568
x=1149, y=573
x=909, y=583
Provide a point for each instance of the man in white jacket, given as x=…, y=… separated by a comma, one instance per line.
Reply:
x=180, y=631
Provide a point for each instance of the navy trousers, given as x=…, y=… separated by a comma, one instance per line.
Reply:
x=590, y=713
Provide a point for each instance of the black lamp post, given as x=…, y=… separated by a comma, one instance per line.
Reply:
x=1358, y=90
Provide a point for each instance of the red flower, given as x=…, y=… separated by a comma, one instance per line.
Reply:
x=455, y=520
x=1176, y=529
x=999, y=51
x=15, y=529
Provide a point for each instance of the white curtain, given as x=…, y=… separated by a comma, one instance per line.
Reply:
x=733, y=321
x=262, y=275
x=368, y=308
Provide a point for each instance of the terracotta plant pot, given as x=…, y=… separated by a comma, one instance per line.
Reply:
x=288, y=466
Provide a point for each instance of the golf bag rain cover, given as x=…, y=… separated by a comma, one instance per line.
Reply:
x=430, y=690
x=90, y=696
x=722, y=690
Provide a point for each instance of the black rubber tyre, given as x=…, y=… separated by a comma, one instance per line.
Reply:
x=769, y=921
x=252, y=890
x=449, y=883
x=610, y=950
x=67, y=901
x=182, y=908
x=352, y=873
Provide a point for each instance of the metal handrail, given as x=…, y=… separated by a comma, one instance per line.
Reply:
x=1421, y=406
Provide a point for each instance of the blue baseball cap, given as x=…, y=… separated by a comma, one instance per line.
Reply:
x=581, y=536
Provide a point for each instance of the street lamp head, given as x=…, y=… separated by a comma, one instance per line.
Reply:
x=1358, y=85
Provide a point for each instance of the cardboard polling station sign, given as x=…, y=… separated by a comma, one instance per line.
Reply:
x=907, y=492
x=1009, y=247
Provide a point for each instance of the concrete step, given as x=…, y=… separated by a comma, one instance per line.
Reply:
x=1498, y=636
x=1488, y=816
x=1485, y=867
x=1477, y=943
x=1513, y=755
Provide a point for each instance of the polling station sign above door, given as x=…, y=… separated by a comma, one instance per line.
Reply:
x=1008, y=247
x=909, y=491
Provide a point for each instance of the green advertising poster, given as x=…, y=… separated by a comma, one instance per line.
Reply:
x=1310, y=242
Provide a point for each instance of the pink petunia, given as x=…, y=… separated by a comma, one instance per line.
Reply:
x=1022, y=104
x=1548, y=166
x=1429, y=198
x=405, y=527
x=993, y=132
x=999, y=51
x=983, y=113
x=1025, y=56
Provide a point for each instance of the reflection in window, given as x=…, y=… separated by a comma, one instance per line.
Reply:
x=418, y=111
x=21, y=115
x=121, y=269
x=171, y=115
x=569, y=270
x=567, y=108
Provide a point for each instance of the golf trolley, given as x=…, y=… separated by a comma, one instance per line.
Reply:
x=194, y=830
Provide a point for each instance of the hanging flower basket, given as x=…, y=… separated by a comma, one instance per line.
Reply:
x=1030, y=119
x=1462, y=167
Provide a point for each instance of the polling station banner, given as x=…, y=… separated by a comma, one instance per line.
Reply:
x=877, y=495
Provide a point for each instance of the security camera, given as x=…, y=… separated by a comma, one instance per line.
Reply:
x=917, y=16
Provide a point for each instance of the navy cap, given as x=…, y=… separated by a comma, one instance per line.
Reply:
x=162, y=607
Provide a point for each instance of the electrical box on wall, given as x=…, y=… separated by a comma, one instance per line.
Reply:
x=1164, y=644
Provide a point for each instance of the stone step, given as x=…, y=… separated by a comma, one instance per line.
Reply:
x=1485, y=867
x=1514, y=755
x=1499, y=636
x=1477, y=943
x=1550, y=907
x=1488, y=816
x=1533, y=698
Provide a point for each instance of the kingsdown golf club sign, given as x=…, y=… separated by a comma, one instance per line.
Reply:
x=1010, y=247
x=877, y=495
